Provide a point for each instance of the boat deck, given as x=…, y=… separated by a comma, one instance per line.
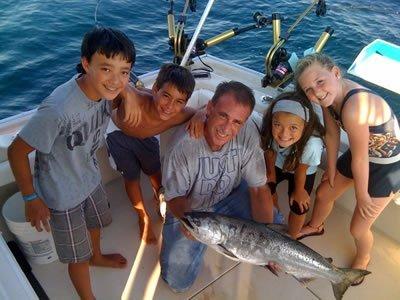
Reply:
x=220, y=278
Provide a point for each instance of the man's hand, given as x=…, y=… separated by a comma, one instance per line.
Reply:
x=36, y=212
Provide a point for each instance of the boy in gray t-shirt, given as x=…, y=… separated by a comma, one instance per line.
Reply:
x=224, y=171
x=66, y=131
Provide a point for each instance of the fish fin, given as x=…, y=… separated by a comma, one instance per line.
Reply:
x=303, y=280
x=350, y=276
x=227, y=252
x=273, y=271
x=329, y=259
x=280, y=228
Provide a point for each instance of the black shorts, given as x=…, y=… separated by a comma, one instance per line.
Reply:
x=134, y=154
x=308, y=186
x=383, y=178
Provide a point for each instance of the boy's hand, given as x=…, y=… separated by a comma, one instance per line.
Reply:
x=195, y=125
x=302, y=198
x=37, y=212
x=132, y=113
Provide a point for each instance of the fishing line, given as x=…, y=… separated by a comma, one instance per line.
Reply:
x=307, y=288
x=207, y=68
x=95, y=13
x=198, y=292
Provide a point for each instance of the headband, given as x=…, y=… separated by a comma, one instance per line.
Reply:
x=292, y=107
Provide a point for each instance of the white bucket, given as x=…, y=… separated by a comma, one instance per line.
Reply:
x=38, y=247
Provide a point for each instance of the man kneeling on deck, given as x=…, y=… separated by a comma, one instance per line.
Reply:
x=224, y=172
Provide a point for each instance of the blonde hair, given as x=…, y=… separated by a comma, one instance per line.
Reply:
x=307, y=61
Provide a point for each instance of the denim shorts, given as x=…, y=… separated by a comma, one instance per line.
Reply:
x=70, y=227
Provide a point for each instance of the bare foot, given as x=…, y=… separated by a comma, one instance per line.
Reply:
x=309, y=230
x=113, y=260
x=146, y=233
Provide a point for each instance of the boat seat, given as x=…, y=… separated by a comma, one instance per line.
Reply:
x=5, y=141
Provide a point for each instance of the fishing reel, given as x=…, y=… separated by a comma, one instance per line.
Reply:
x=179, y=45
x=179, y=40
x=280, y=67
x=279, y=64
x=261, y=20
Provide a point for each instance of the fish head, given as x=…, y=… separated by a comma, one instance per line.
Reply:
x=204, y=227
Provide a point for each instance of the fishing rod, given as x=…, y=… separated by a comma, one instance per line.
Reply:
x=180, y=42
x=260, y=22
x=279, y=64
x=177, y=38
x=203, y=18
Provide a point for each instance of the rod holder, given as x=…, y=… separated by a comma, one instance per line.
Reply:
x=171, y=26
x=219, y=38
x=276, y=27
x=320, y=44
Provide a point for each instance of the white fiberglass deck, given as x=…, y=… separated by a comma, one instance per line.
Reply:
x=141, y=280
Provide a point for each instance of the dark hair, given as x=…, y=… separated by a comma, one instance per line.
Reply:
x=107, y=41
x=242, y=93
x=312, y=127
x=178, y=76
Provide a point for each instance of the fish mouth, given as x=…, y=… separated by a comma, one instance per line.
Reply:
x=187, y=223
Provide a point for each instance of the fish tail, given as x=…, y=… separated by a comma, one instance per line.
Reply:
x=349, y=276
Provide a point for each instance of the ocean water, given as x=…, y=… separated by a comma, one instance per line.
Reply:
x=40, y=39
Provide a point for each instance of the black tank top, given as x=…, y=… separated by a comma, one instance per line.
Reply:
x=384, y=139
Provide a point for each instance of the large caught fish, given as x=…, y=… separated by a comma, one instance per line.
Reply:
x=261, y=244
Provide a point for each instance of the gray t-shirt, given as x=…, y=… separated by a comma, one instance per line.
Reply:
x=66, y=131
x=205, y=177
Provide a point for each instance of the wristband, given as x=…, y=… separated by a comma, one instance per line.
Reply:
x=31, y=197
x=272, y=187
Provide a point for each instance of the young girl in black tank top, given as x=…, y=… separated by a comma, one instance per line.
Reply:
x=373, y=161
